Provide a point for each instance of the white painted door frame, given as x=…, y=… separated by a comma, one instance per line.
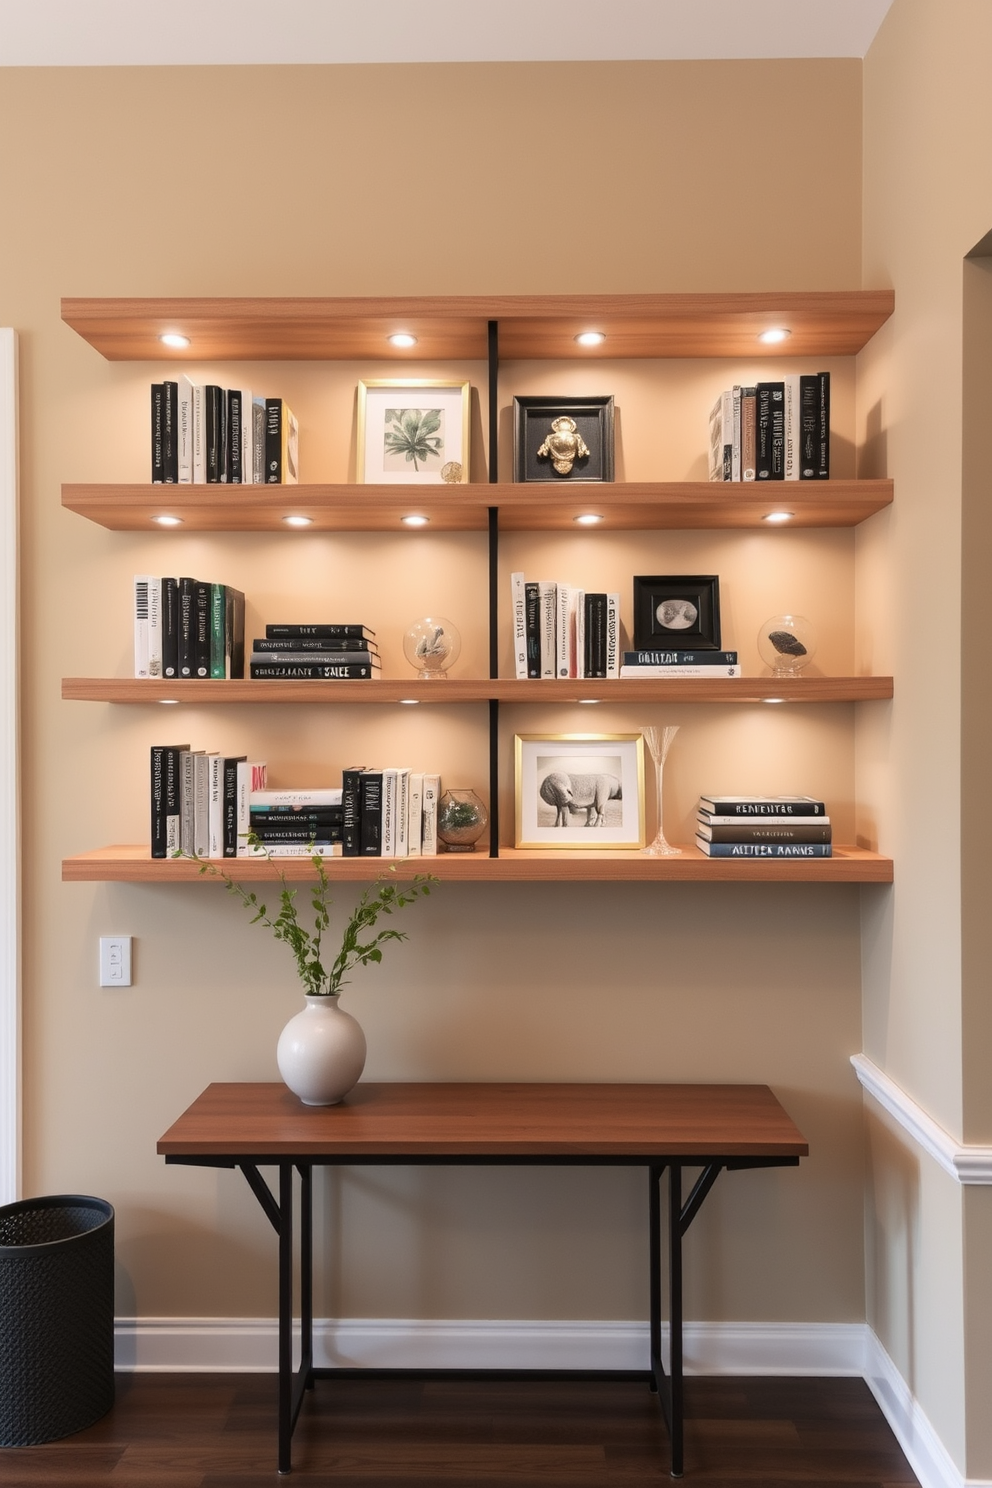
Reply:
x=10, y=836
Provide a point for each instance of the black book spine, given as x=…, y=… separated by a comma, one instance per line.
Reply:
x=165, y=798
x=328, y=655
x=338, y=644
x=230, y=816
x=595, y=646
x=235, y=427
x=318, y=632
x=351, y=812
x=311, y=671
x=769, y=455
x=201, y=629
x=757, y=811
x=234, y=630
x=273, y=441
x=187, y=627
x=371, y=811
x=317, y=832
x=170, y=628
x=170, y=432
x=158, y=800
x=823, y=426
x=770, y=829
x=158, y=421
x=809, y=399
x=532, y=627
x=215, y=433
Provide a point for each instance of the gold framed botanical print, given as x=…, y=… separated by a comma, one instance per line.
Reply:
x=413, y=432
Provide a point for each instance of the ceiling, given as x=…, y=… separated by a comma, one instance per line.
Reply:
x=93, y=33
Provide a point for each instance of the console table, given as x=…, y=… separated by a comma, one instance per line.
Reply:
x=657, y=1127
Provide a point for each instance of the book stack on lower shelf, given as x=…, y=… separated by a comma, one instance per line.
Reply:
x=737, y=826
x=327, y=652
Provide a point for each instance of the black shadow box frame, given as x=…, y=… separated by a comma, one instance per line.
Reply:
x=532, y=420
x=701, y=591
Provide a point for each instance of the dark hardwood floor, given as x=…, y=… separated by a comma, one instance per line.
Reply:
x=217, y=1431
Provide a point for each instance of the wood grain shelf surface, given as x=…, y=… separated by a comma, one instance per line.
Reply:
x=466, y=690
x=129, y=863
x=822, y=323
x=487, y=1118
x=623, y=507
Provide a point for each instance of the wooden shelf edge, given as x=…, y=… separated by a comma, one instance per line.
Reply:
x=733, y=690
x=523, y=507
x=132, y=864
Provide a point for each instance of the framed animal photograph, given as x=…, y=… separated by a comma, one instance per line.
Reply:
x=579, y=790
x=677, y=612
x=568, y=440
x=413, y=432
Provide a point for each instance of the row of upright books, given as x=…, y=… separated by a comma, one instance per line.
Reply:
x=738, y=826
x=772, y=431
x=560, y=630
x=210, y=805
x=203, y=434
x=321, y=652
x=188, y=628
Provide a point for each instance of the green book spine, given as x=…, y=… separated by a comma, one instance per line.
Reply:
x=218, y=606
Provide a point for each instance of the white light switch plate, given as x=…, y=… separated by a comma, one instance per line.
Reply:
x=115, y=960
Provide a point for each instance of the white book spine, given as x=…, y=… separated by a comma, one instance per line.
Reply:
x=564, y=630
x=247, y=438
x=415, y=814
x=735, y=459
x=201, y=805
x=187, y=802
x=548, y=601
x=389, y=801
x=199, y=437
x=294, y=850
x=403, y=813
x=793, y=427
x=613, y=635
x=215, y=806
x=519, y=604
x=185, y=431
x=258, y=439
x=580, y=633
x=432, y=793
x=320, y=796
x=147, y=626
x=251, y=777
x=651, y=672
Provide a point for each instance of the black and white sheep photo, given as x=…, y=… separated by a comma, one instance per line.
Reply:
x=581, y=798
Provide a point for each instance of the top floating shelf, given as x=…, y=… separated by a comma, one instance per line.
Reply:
x=451, y=328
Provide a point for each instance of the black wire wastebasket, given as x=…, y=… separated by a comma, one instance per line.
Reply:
x=56, y=1317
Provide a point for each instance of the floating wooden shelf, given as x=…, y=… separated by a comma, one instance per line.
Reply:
x=454, y=328
x=632, y=506
x=461, y=690
x=132, y=864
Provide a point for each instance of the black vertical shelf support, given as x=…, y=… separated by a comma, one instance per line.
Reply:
x=493, y=589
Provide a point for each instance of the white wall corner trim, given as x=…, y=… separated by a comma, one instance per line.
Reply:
x=966, y=1163
x=10, y=940
x=249, y=1345
x=924, y=1451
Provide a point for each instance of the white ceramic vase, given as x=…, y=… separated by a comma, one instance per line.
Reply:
x=321, y=1052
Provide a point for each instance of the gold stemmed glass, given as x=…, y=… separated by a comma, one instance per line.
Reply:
x=659, y=742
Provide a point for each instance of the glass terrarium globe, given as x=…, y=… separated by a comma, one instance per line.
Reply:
x=461, y=820
x=431, y=645
x=787, y=643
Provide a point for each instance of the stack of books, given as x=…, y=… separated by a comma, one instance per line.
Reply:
x=301, y=823
x=772, y=431
x=208, y=434
x=735, y=826
x=319, y=652
x=680, y=664
x=200, y=802
x=188, y=628
x=560, y=630
x=389, y=813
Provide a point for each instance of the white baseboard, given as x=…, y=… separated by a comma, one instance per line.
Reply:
x=249, y=1344
x=925, y=1452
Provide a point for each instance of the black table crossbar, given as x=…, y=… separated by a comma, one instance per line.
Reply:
x=294, y=1384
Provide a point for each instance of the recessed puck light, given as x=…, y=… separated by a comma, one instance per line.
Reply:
x=591, y=338
x=415, y=521
x=588, y=519
x=295, y=521
x=402, y=338
x=778, y=516
x=173, y=339
x=774, y=335
x=410, y=702
x=168, y=521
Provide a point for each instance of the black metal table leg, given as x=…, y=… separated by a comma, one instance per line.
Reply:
x=305, y=1171
x=657, y=1380
x=675, y=1314
x=285, y=1317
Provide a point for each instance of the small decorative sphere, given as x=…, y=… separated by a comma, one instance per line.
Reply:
x=431, y=645
x=787, y=643
x=461, y=820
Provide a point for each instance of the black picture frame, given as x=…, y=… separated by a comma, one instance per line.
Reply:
x=687, y=632
x=532, y=420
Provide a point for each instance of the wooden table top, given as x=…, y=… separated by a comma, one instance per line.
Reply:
x=538, y=1121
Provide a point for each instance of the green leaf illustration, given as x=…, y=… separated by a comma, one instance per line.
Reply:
x=413, y=433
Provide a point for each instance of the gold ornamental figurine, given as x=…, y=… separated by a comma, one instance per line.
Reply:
x=564, y=445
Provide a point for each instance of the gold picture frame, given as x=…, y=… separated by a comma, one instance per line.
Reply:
x=579, y=791
x=396, y=448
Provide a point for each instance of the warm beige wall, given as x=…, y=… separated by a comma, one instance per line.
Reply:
x=684, y=982
x=928, y=201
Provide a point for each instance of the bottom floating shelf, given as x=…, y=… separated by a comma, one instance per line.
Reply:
x=133, y=864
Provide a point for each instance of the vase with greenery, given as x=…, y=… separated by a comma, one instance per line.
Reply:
x=321, y=1051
